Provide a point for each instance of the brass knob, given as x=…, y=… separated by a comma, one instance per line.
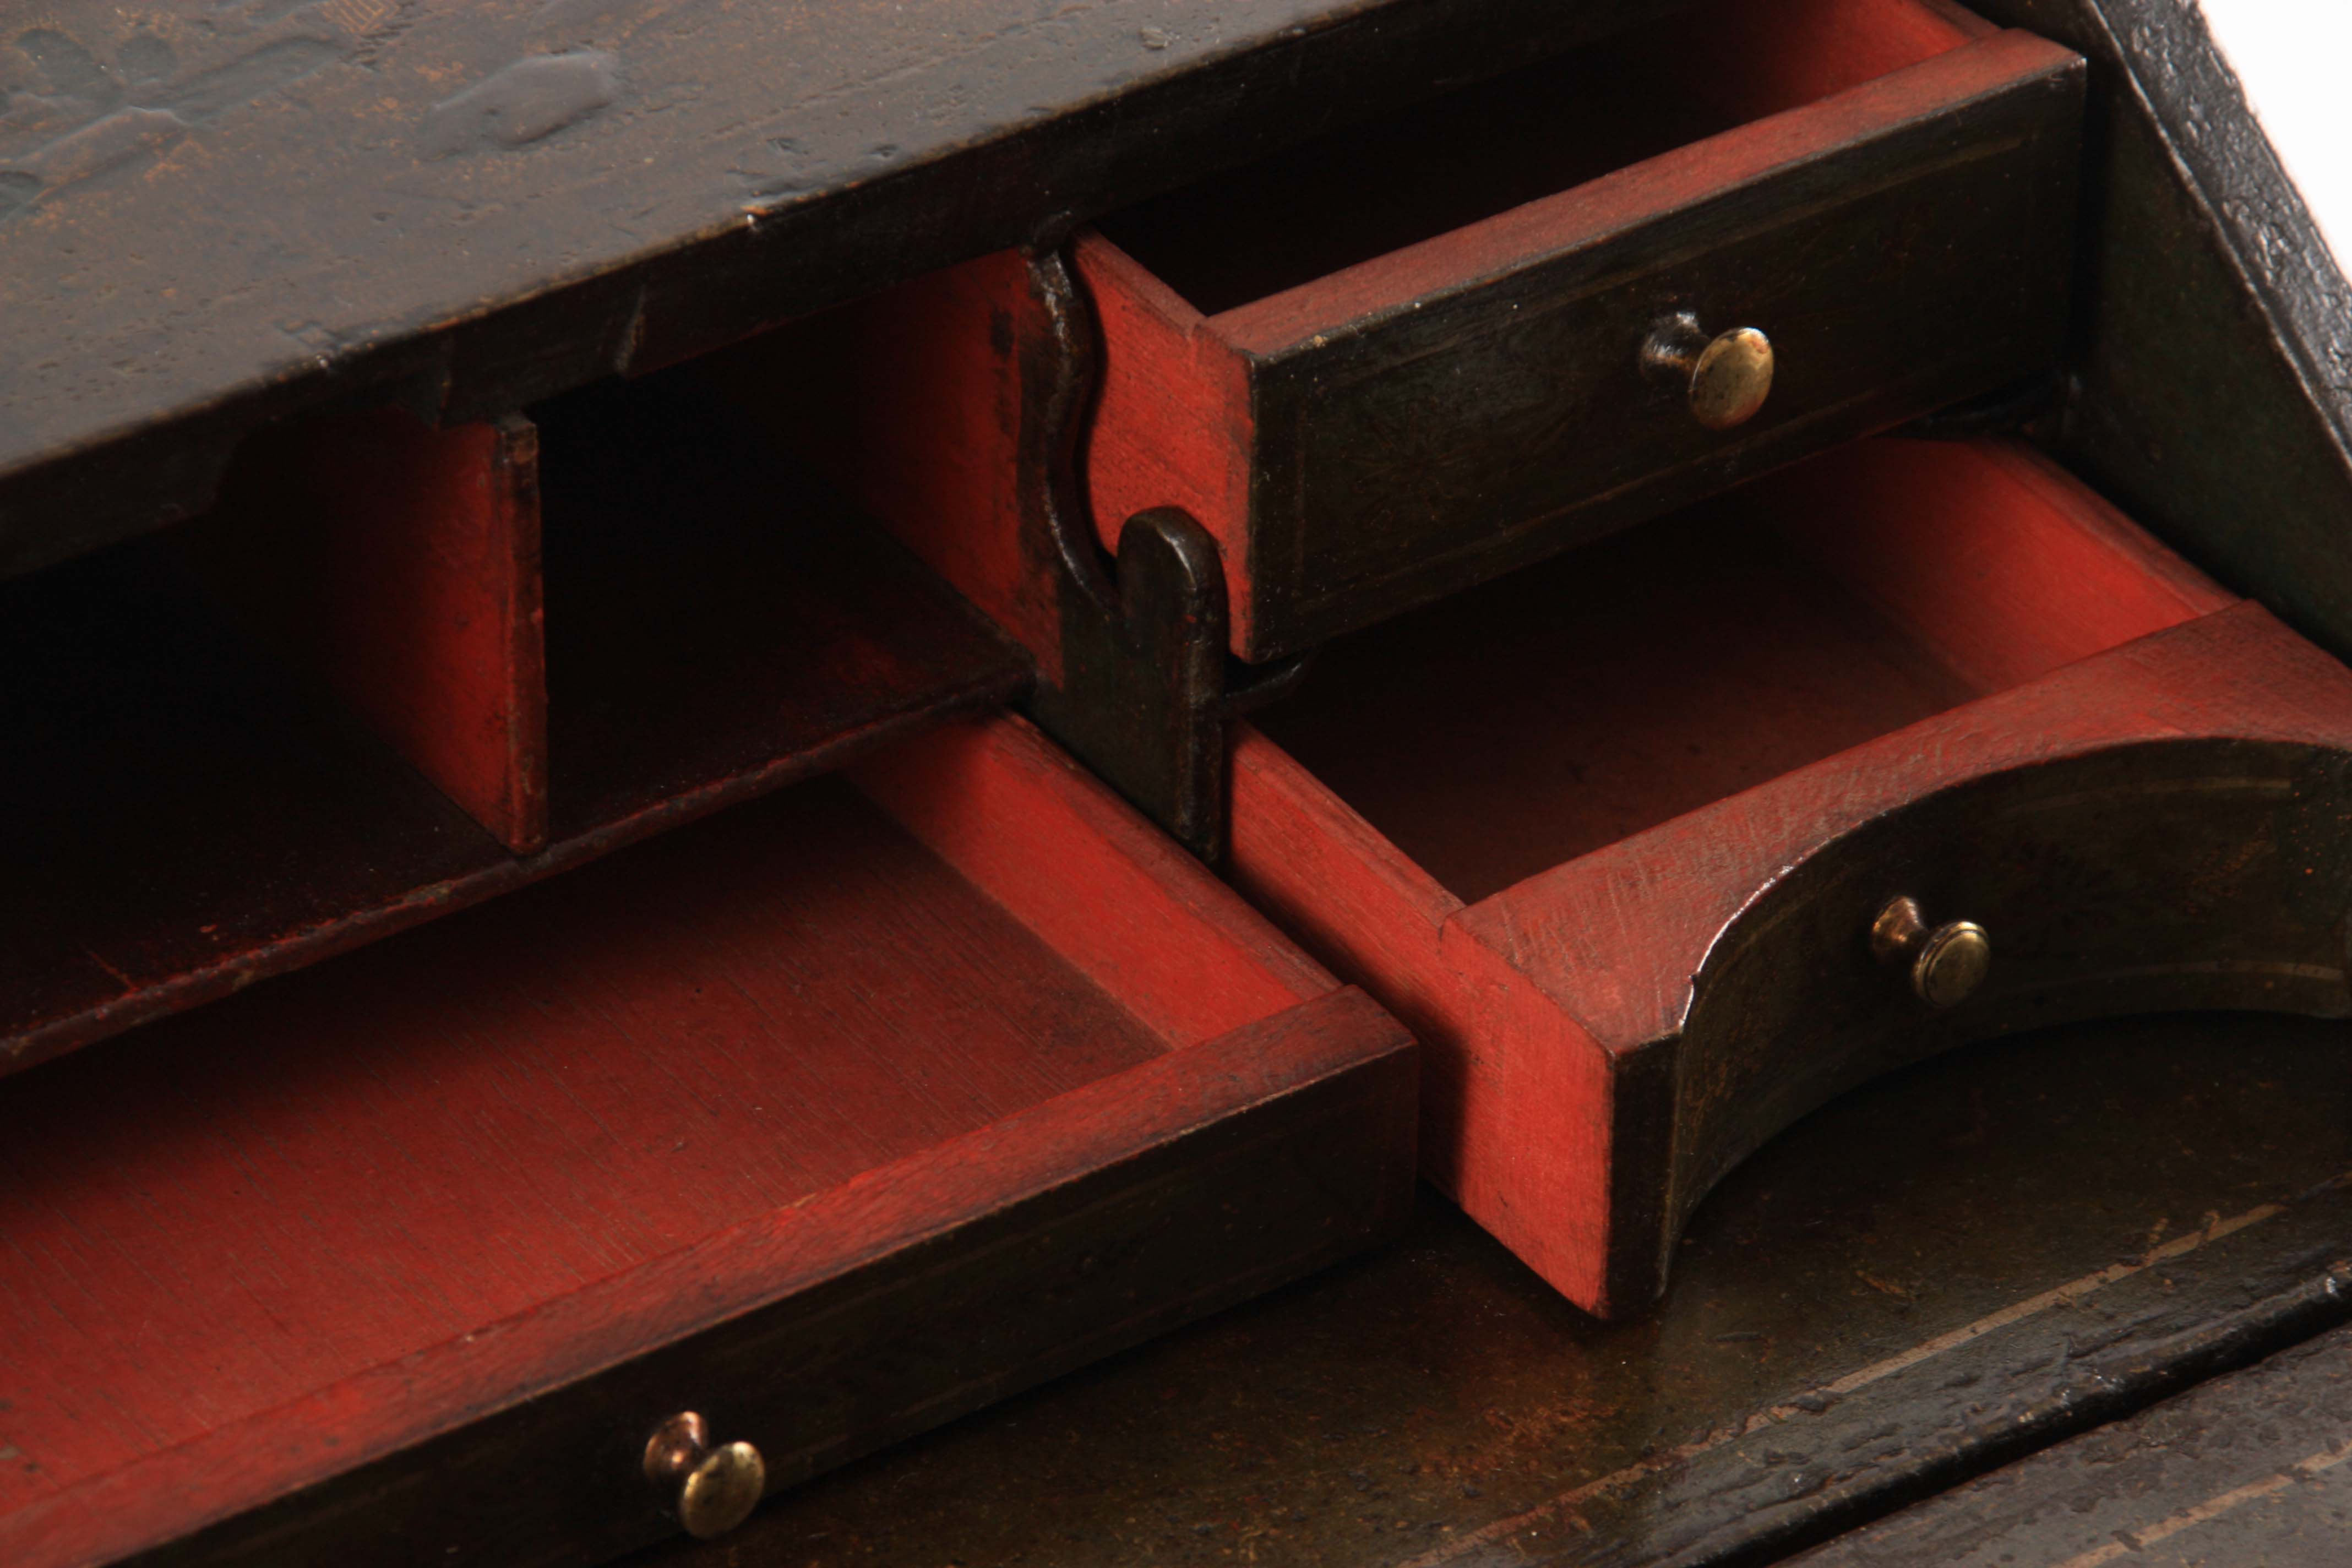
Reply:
x=1724, y=378
x=711, y=1490
x=1947, y=962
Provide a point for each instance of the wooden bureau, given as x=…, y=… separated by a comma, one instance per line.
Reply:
x=728, y=727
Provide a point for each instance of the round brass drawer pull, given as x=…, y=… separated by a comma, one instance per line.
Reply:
x=1726, y=378
x=1947, y=962
x=711, y=1490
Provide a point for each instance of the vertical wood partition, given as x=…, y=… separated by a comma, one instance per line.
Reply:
x=399, y=565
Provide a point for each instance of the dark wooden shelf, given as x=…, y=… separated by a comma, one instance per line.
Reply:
x=181, y=816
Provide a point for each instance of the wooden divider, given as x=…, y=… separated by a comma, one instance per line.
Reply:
x=400, y=565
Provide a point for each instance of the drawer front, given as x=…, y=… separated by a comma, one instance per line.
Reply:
x=928, y=1322
x=2136, y=816
x=2171, y=875
x=1910, y=249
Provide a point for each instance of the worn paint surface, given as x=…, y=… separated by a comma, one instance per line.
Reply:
x=1865, y=1305
x=212, y=214
x=2247, y=1469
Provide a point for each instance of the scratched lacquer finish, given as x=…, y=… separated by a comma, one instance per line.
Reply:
x=2250, y=1468
x=212, y=216
x=1613, y=835
x=827, y=1119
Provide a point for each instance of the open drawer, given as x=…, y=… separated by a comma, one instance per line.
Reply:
x=1409, y=357
x=1628, y=837
x=824, y=1120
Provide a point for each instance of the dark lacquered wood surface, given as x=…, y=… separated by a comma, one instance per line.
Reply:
x=2247, y=1471
x=209, y=216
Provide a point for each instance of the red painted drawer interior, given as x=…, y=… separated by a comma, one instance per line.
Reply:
x=1612, y=832
x=523, y=1150
x=1572, y=706
x=1246, y=237
x=352, y=717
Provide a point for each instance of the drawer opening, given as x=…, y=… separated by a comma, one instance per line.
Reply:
x=1574, y=704
x=1466, y=156
x=332, y=708
x=407, y=1160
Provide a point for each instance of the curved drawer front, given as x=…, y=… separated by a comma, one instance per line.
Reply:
x=2161, y=826
x=1662, y=846
x=2185, y=874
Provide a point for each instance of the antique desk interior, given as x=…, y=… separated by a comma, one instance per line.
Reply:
x=558, y=276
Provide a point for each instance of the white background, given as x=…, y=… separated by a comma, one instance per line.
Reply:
x=2295, y=59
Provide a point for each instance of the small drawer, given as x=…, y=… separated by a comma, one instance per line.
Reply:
x=822, y=1120
x=1626, y=837
x=1411, y=356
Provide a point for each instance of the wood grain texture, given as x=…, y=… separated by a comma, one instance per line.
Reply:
x=220, y=220
x=2248, y=1468
x=913, y=402
x=1443, y=384
x=789, y=1048
x=188, y=819
x=400, y=565
x=1736, y=759
x=905, y=1302
x=1172, y=423
x=994, y=799
x=2006, y=568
